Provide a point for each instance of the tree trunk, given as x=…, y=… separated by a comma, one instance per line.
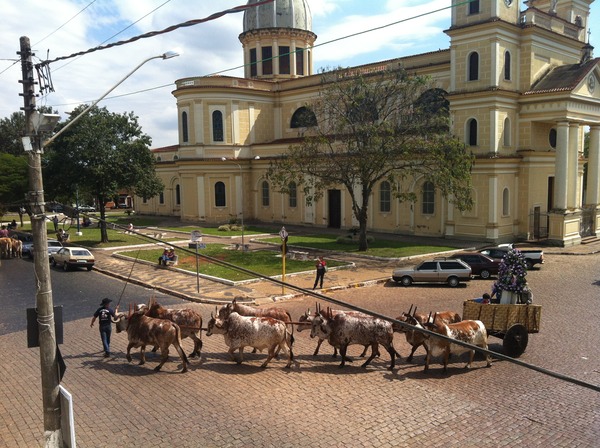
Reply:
x=362, y=233
x=103, y=232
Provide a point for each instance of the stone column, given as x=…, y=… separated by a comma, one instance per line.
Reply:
x=561, y=177
x=593, y=172
x=573, y=166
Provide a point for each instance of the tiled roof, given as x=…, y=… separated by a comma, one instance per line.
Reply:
x=563, y=78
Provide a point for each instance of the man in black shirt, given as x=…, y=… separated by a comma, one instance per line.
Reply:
x=104, y=315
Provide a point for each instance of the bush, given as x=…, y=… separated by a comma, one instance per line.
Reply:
x=350, y=239
x=230, y=228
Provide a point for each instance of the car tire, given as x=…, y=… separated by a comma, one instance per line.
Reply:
x=485, y=274
x=53, y=262
x=406, y=281
x=453, y=282
x=529, y=264
x=89, y=268
x=65, y=266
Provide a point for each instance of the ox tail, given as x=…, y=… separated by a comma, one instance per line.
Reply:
x=179, y=347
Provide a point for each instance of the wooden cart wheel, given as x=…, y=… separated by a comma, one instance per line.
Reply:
x=515, y=340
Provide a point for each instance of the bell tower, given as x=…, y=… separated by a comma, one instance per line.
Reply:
x=277, y=40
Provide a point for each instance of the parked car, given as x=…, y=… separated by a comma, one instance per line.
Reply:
x=481, y=265
x=86, y=208
x=53, y=247
x=439, y=270
x=532, y=256
x=73, y=257
x=26, y=239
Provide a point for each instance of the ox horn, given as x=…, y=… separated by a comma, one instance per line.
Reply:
x=414, y=312
x=410, y=309
x=429, y=318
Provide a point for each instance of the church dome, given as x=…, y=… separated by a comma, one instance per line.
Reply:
x=293, y=14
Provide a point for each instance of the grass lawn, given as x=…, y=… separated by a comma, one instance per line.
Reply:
x=378, y=248
x=264, y=262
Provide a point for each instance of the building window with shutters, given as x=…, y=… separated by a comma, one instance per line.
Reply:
x=293, y=195
x=507, y=65
x=265, y=193
x=253, y=63
x=220, y=194
x=284, y=60
x=267, y=61
x=300, y=61
x=428, y=199
x=385, y=197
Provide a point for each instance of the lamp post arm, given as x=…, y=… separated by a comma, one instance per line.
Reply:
x=87, y=109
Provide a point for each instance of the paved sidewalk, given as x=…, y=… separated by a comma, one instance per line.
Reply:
x=183, y=284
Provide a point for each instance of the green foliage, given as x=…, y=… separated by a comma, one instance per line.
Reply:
x=388, y=126
x=101, y=154
x=11, y=131
x=13, y=179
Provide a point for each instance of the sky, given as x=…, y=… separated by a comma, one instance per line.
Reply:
x=58, y=28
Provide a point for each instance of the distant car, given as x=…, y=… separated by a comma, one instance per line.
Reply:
x=532, y=256
x=53, y=247
x=27, y=240
x=73, y=257
x=56, y=208
x=481, y=265
x=442, y=270
x=86, y=208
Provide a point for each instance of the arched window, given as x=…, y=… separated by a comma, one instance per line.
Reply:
x=506, y=139
x=428, y=199
x=385, y=197
x=220, y=194
x=474, y=66
x=265, y=193
x=552, y=138
x=177, y=195
x=293, y=195
x=217, y=126
x=472, y=132
x=184, y=127
x=303, y=118
x=505, y=202
x=507, y=65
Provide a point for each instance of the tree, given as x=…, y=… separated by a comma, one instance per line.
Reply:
x=99, y=155
x=14, y=181
x=373, y=127
x=11, y=131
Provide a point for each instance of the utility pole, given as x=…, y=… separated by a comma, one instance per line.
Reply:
x=44, y=305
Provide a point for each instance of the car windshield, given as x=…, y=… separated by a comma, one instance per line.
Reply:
x=81, y=252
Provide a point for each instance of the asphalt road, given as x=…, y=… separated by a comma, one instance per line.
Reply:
x=78, y=292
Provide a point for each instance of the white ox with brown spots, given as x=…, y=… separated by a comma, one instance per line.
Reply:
x=257, y=332
x=416, y=338
x=470, y=331
x=342, y=330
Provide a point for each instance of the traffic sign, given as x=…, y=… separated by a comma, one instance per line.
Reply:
x=196, y=236
x=283, y=234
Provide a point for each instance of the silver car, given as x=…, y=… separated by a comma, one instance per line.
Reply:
x=53, y=247
x=440, y=270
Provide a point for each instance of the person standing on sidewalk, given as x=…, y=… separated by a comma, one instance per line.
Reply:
x=321, y=269
x=104, y=315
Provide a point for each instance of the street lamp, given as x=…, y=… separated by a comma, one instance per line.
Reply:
x=35, y=125
x=242, y=207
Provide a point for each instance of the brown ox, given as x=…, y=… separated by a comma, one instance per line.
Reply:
x=189, y=321
x=143, y=330
x=17, y=248
x=5, y=247
x=415, y=338
x=244, y=310
x=258, y=332
x=343, y=330
x=305, y=322
x=470, y=331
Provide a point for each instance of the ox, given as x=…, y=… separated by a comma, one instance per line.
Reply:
x=305, y=322
x=143, y=330
x=189, y=321
x=258, y=332
x=17, y=248
x=342, y=330
x=470, y=331
x=5, y=247
x=245, y=310
x=415, y=338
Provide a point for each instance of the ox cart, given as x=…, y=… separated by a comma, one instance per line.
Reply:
x=510, y=322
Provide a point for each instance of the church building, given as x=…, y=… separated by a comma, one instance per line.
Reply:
x=523, y=92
